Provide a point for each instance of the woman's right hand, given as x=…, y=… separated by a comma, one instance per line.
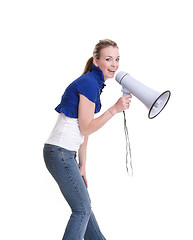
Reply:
x=122, y=104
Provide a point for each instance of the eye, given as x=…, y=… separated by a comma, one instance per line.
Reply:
x=117, y=59
x=108, y=59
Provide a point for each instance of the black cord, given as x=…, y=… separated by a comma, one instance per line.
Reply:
x=128, y=147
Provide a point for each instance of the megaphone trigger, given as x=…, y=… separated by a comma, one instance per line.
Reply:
x=126, y=92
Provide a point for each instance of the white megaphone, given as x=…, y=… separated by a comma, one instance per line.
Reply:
x=154, y=101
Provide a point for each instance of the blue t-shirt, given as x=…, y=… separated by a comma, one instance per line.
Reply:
x=89, y=85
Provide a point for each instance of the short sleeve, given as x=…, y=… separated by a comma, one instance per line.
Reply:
x=89, y=88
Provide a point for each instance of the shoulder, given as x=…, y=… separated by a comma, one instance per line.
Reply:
x=87, y=78
x=87, y=81
x=88, y=86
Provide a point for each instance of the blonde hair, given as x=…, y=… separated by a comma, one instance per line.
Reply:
x=96, y=52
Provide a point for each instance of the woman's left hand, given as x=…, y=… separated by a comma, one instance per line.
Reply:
x=83, y=174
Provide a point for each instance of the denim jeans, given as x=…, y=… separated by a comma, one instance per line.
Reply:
x=63, y=166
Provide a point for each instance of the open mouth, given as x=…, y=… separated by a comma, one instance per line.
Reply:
x=111, y=71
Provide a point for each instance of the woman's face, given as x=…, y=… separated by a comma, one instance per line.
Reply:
x=108, y=62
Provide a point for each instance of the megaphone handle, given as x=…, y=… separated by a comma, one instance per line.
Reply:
x=125, y=91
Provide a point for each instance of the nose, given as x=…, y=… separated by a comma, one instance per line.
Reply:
x=114, y=63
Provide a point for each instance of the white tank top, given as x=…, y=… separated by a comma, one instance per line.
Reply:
x=66, y=133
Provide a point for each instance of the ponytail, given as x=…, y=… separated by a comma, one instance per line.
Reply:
x=88, y=67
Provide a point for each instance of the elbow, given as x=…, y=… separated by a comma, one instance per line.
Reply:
x=86, y=128
x=84, y=132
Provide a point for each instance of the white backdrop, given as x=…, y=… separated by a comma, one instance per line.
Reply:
x=44, y=45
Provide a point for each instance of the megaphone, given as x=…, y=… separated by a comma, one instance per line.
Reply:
x=154, y=101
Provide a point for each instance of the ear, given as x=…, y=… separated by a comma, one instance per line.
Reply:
x=95, y=62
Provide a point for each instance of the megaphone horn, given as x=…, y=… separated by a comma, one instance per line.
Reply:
x=154, y=101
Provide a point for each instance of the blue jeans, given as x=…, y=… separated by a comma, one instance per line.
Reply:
x=63, y=166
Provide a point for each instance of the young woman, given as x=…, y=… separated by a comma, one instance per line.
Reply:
x=75, y=123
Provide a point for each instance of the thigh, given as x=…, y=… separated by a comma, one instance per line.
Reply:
x=63, y=166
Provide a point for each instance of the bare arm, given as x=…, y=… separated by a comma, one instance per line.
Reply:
x=82, y=153
x=82, y=159
x=88, y=124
